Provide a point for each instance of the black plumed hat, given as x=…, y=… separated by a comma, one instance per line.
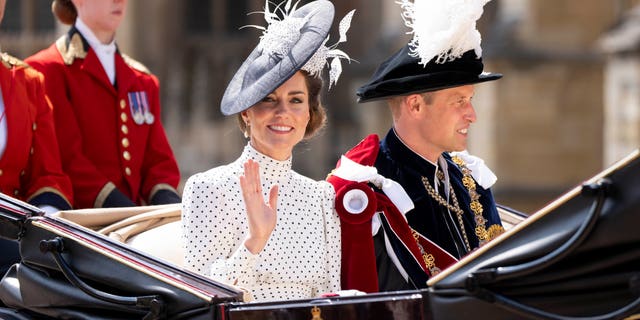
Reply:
x=402, y=74
x=445, y=51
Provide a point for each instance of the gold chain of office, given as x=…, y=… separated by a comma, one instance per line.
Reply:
x=455, y=208
x=481, y=231
x=484, y=234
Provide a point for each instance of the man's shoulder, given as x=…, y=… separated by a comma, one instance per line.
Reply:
x=21, y=72
x=472, y=167
x=366, y=151
x=9, y=61
x=135, y=64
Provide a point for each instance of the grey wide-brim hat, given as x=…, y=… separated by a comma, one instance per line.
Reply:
x=262, y=73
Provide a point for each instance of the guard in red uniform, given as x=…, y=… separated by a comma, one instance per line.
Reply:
x=107, y=112
x=30, y=168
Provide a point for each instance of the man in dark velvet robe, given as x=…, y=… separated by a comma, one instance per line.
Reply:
x=425, y=152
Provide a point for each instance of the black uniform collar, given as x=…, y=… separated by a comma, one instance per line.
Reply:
x=407, y=157
x=409, y=163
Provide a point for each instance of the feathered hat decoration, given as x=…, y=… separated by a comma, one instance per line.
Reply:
x=294, y=39
x=442, y=29
x=283, y=30
x=444, y=52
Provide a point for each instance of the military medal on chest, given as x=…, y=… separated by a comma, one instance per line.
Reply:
x=139, y=106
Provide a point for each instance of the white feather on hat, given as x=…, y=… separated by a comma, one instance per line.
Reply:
x=282, y=32
x=442, y=29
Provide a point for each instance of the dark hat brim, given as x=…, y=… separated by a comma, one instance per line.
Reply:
x=401, y=74
x=261, y=74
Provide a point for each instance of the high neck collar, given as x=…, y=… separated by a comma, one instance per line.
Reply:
x=105, y=52
x=403, y=154
x=416, y=153
x=269, y=167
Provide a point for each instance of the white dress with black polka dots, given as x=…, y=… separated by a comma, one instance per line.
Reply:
x=301, y=258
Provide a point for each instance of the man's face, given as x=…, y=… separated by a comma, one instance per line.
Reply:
x=445, y=118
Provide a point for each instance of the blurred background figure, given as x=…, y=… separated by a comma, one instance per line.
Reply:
x=107, y=112
x=30, y=168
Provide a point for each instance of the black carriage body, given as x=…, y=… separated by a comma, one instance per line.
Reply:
x=130, y=278
x=402, y=305
x=36, y=288
x=577, y=258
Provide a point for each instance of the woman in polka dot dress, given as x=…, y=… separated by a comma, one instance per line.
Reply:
x=256, y=223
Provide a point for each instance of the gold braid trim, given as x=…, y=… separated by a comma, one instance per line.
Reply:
x=10, y=61
x=429, y=259
x=481, y=231
x=494, y=231
x=72, y=49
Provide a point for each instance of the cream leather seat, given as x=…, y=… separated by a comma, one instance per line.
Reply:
x=150, y=229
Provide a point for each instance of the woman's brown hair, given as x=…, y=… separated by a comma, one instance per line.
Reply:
x=65, y=11
x=317, y=112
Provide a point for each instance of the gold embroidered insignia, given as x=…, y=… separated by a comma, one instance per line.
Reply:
x=72, y=50
x=315, y=313
x=135, y=64
x=10, y=61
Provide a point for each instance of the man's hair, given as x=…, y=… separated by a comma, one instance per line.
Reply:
x=427, y=97
x=317, y=112
x=394, y=105
x=395, y=102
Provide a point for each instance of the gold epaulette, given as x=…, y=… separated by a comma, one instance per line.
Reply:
x=71, y=49
x=135, y=64
x=10, y=61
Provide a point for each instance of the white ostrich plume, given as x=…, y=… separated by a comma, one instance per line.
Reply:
x=442, y=29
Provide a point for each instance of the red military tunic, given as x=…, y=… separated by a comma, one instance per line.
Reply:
x=30, y=168
x=113, y=139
